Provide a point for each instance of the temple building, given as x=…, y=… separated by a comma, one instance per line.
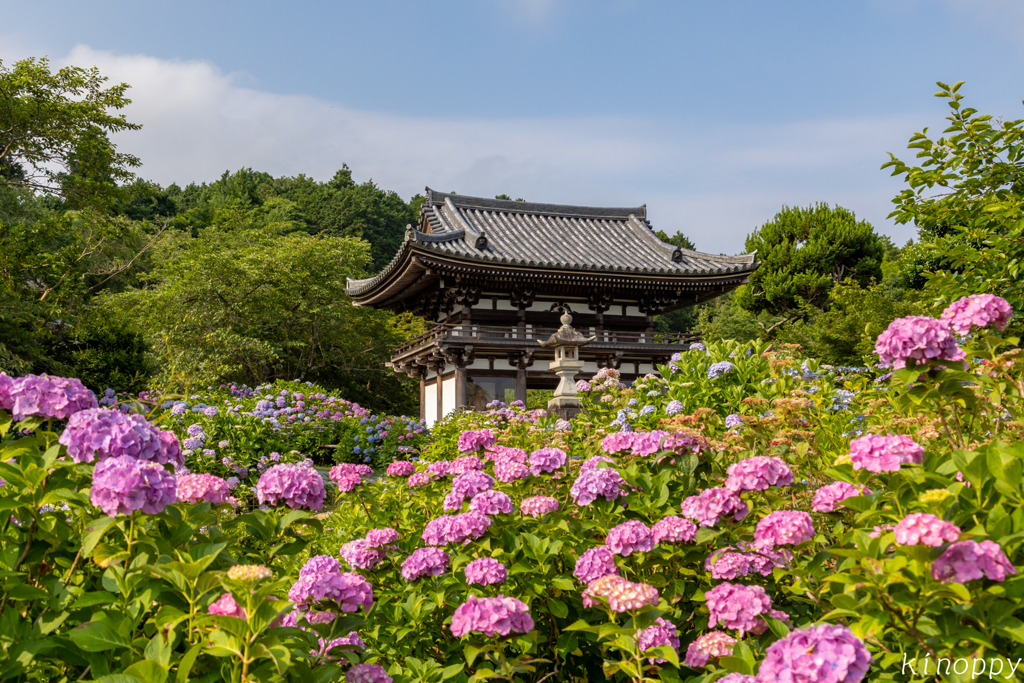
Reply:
x=494, y=276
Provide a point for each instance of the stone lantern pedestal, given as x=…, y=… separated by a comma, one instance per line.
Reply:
x=566, y=342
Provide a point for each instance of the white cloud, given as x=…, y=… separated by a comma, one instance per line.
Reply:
x=715, y=183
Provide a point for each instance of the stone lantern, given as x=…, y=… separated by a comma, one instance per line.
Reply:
x=566, y=342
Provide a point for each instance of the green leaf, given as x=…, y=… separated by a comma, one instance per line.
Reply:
x=98, y=636
x=147, y=671
x=94, y=532
x=187, y=662
x=777, y=627
x=558, y=608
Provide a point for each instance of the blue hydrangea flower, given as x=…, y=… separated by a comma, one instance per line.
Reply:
x=718, y=369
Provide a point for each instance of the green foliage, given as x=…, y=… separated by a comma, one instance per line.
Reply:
x=803, y=253
x=251, y=303
x=966, y=195
x=54, y=128
x=722, y=319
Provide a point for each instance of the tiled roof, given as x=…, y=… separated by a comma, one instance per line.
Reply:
x=551, y=236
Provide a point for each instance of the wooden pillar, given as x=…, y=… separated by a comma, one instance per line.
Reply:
x=521, y=384
x=423, y=399
x=440, y=395
x=460, y=386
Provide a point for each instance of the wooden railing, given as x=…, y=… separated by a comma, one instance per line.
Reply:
x=482, y=334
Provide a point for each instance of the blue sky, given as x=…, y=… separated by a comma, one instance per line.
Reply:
x=714, y=114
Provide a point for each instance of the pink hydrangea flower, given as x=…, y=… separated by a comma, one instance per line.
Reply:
x=378, y=538
x=713, y=644
x=508, y=470
x=727, y=564
x=197, y=488
x=499, y=453
x=784, y=527
x=401, y=468
x=922, y=528
x=439, y=468
x=621, y=595
x=347, y=476
x=297, y=486
x=55, y=398
x=919, y=337
x=968, y=560
x=486, y=571
x=462, y=528
x=469, y=484
x=536, y=506
x=594, y=463
x=594, y=483
x=673, y=529
x=475, y=441
x=737, y=678
x=497, y=616
x=647, y=443
x=977, y=310
x=757, y=474
x=595, y=563
x=419, y=479
x=826, y=653
x=361, y=555
x=741, y=608
x=492, y=503
x=710, y=505
x=884, y=453
x=630, y=537
x=324, y=582
x=227, y=607
x=425, y=562
x=465, y=464
x=97, y=433
x=661, y=632
x=618, y=442
x=547, y=460
x=367, y=673
x=829, y=498
x=121, y=485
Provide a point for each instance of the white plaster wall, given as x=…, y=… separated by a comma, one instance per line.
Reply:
x=633, y=310
x=431, y=375
x=589, y=368
x=479, y=364
x=430, y=393
x=646, y=368
x=447, y=396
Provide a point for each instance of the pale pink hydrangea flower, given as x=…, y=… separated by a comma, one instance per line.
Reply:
x=978, y=310
x=618, y=442
x=713, y=644
x=462, y=528
x=419, y=479
x=401, y=468
x=922, y=528
x=621, y=595
x=884, y=453
x=197, y=488
x=476, y=440
x=295, y=485
x=536, y=506
x=919, y=337
x=425, y=562
x=507, y=470
x=465, y=464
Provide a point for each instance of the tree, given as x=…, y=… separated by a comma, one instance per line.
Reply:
x=678, y=239
x=966, y=197
x=685, y=319
x=803, y=254
x=54, y=131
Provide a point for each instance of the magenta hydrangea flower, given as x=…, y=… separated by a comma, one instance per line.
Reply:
x=713, y=644
x=826, y=653
x=547, y=460
x=419, y=479
x=536, y=506
x=595, y=563
x=918, y=337
x=492, y=503
x=469, y=484
x=618, y=442
x=741, y=607
x=226, y=606
x=350, y=642
x=508, y=470
x=378, y=538
x=968, y=560
x=829, y=498
x=630, y=537
x=367, y=673
x=439, y=468
x=425, y=562
x=784, y=527
x=361, y=555
x=97, y=433
x=322, y=582
x=757, y=474
x=594, y=483
x=486, y=571
x=465, y=464
x=346, y=476
x=710, y=505
x=497, y=616
x=661, y=632
x=121, y=485
x=922, y=528
x=198, y=488
x=475, y=441
x=462, y=528
x=401, y=468
x=621, y=595
x=884, y=453
x=673, y=529
x=52, y=398
x=297, y=486
x=977, y=310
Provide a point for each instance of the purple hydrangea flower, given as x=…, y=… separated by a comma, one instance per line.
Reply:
x=968, y=560
x=98, y=433
x=757, y=474
x=324, y=581
x=918, y=337
x=630, y=537
x=467, y=485
x=121, y=485
x=53, y=398
x=783, y=527
x=547, y=460
x=596, y=482
x=462, y=528
x=440, y=468
x=710, y=505
x=475, y=441
x=977, y=310
x=718, y=369
x=465, y=464
x=733, y=421
x=536, y=506
x=673, y=529
x=425, y=562
x=486, y=571
x=661, y=632
x=497, y=616
x=491, y=503
x=361, y=555
x=884, y=453
x=829, y=498
x=367, y=673
x=295, y=485
x=826, y=653
x=582, y=386
x=197, y=488
x=673, y=407
x=595, y=563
